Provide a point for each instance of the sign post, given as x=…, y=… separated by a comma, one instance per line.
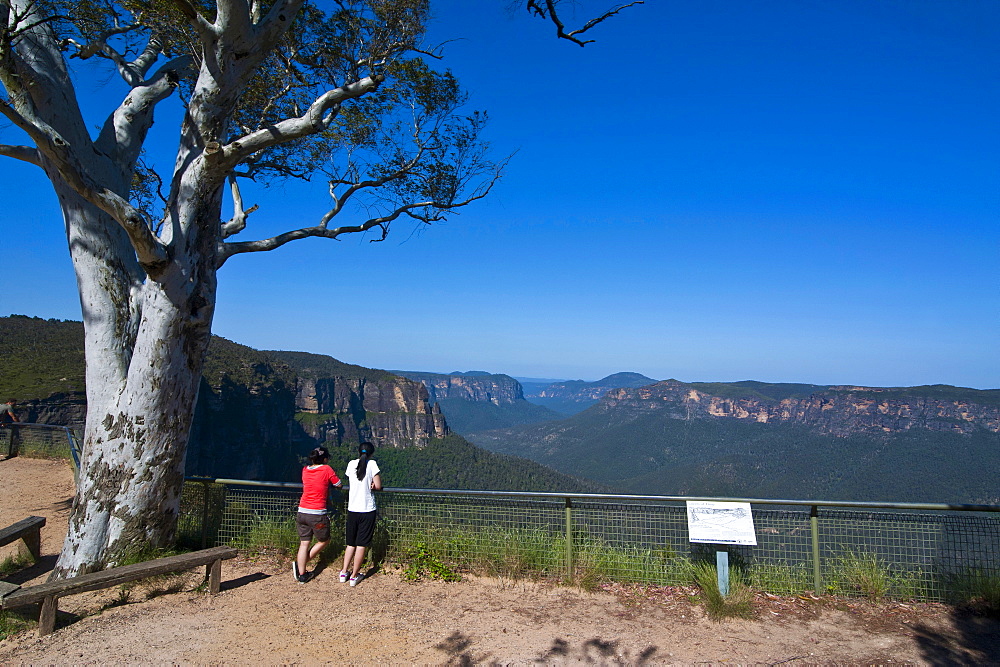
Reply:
x=715, y=522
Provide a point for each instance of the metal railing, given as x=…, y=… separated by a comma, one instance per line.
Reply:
x=45, y=440
x=907, y=550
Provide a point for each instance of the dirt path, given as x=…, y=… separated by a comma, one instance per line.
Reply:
x=262, y=616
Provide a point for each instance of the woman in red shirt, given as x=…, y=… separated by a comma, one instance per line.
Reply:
x=318, y=479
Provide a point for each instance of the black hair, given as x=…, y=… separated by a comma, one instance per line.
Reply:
x=365, y=451
x=318, y=455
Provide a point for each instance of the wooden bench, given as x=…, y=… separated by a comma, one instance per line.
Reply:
x=29, y=530
x=50, y=592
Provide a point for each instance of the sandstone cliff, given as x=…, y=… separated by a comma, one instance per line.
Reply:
x=62, y=409
x=836, y=411
x=473, y=386
x=392, y=412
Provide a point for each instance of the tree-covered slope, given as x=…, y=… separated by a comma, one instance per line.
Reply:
x=454, y=463
x=40, y=357
x=307, y=364
x=651, y=452
x=468, y=416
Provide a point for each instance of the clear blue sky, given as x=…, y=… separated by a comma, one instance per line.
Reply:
x=783, y=191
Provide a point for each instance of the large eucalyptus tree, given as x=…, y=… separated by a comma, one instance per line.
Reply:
x=268, y=89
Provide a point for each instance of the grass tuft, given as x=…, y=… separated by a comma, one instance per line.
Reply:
x=977, y=587
x=15, y=562
x=868, y=575
x=737, y=604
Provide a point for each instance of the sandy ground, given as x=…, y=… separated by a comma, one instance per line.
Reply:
x=263, y=616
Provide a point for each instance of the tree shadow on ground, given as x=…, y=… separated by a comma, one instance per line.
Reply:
x=973, y=639
x=63, y=505
x=460, y=651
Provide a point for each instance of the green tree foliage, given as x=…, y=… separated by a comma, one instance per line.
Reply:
x=651, y=453
x=471, y=416
x=315, y=366
x=454, y=463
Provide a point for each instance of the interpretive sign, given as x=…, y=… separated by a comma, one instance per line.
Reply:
x=715, y=522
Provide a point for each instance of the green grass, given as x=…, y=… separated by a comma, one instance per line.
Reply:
x=977, y=587
x=12, y=622
x=421, y=562
x=263, y=534
x=598, y=562
x=868, y=575
x=538, y=554
x=36, y=443
x=13, y=563
x=780, y=578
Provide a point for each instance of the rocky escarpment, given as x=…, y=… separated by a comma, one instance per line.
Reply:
x=62, y=409
x=257, y=412
x=838, y=411
x=392, y=412
x=473, y=386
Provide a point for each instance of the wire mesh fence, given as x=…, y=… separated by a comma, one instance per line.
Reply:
x=39, y=440
x=936, y=555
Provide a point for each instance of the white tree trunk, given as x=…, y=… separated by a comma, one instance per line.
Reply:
x=145, y=342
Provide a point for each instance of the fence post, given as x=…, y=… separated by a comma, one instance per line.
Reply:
x=204, y=515
x=814, y=532
x=569, y=540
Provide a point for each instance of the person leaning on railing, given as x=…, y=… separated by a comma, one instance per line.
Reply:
x=311, y=519
x=363, y=473
x=7, y=420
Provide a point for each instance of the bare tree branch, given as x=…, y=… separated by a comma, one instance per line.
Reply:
x=275, y=24
x=422, y=211
x=232, y=19
x=131, y=72
x=230, y=249
x=152, y=254
x=548, y=11
x=315, y=119
x=199, y=22
x=24, y=153
x=239, y=220
x=126, y=128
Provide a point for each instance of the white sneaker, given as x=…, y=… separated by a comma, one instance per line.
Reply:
x=356, y=579
x=343, y=577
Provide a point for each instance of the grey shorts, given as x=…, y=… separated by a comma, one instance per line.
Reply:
x=310, y=525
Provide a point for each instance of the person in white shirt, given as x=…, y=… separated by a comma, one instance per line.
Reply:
x=363, y=475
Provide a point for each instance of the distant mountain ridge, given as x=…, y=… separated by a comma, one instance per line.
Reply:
x=477, y=400
x=835, y=410
x=478, y=386
x=573, y=396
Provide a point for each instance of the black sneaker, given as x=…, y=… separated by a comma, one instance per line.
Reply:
x=295, y=571
x=303, y=578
